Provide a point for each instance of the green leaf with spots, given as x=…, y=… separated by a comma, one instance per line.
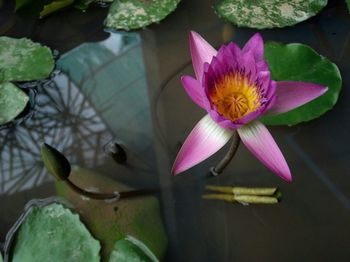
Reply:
x=24, y=60
x=12, y=102
x=130, y=249
x=54, y=233
x=135, y=14
x=268, y=14
x=298, y=62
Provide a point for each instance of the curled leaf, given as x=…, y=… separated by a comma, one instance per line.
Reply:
x=55, y=162
x=131, y=249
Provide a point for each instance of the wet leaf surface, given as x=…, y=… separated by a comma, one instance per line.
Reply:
x=268, y=14
x=135, y=14
x=23, y=60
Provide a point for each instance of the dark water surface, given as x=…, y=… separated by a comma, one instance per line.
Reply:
x=124, y=87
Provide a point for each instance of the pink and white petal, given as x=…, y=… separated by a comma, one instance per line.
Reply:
x=259, y=141
x=201, y=52
x=205, y=139
x=291, y=95
x=195, y=90
x=256, y=45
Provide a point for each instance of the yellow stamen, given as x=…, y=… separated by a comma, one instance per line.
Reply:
x=235, y=96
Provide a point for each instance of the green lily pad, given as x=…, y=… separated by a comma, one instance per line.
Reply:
x=12, y=102
x=268, y=14
x=24, y=60
x=131, y=249
x=298, y=62
x=54, y=233
x=135, y=14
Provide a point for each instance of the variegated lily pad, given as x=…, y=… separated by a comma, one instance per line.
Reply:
x=54, y=233
x=12, y=102
x=268, y=13
x=135, y=14
x=24, y=60
x=130, y=249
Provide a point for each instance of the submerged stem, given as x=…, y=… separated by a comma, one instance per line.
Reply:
x=219, y=168
x=108, y=196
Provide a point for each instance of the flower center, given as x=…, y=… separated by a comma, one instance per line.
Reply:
x=235, y=96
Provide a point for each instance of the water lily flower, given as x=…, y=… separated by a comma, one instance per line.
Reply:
x=235, y=87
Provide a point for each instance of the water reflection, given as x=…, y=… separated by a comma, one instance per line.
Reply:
x=100, y=96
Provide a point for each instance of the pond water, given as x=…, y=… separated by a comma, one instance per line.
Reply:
x=123, y=87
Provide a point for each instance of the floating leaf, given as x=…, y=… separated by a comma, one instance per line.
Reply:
x=1, y=258
x=54, y=233
x=268, y=14
x=111, y=221
x=55, y=162
x=135, y=14
x=12, y=102
x=24, y=60
x=54, y=7
x=131, y=249
x=298, y=62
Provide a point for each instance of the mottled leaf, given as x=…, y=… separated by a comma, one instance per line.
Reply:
x=54, y=233
x=130, y=249
x=268, y=14
x=298, y=62
x=135, y=14
x=24, y=60
x=12, y=102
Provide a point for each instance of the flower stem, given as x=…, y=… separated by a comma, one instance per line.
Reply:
x=108, y=196
x=219, y=168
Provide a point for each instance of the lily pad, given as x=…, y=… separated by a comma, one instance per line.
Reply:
x=131, y=249
x=12, y=102
x=54, y=233
x=24, y=60
x=135, y=14
x=299, y=62
x=266, y=13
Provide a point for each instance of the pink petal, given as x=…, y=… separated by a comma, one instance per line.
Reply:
x=194, y=89
x=201, y=52
x=205, y=139
x=294, y=94
x=256, y=45
x=259, y=141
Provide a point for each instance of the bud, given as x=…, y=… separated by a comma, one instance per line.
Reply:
x=55, y=162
